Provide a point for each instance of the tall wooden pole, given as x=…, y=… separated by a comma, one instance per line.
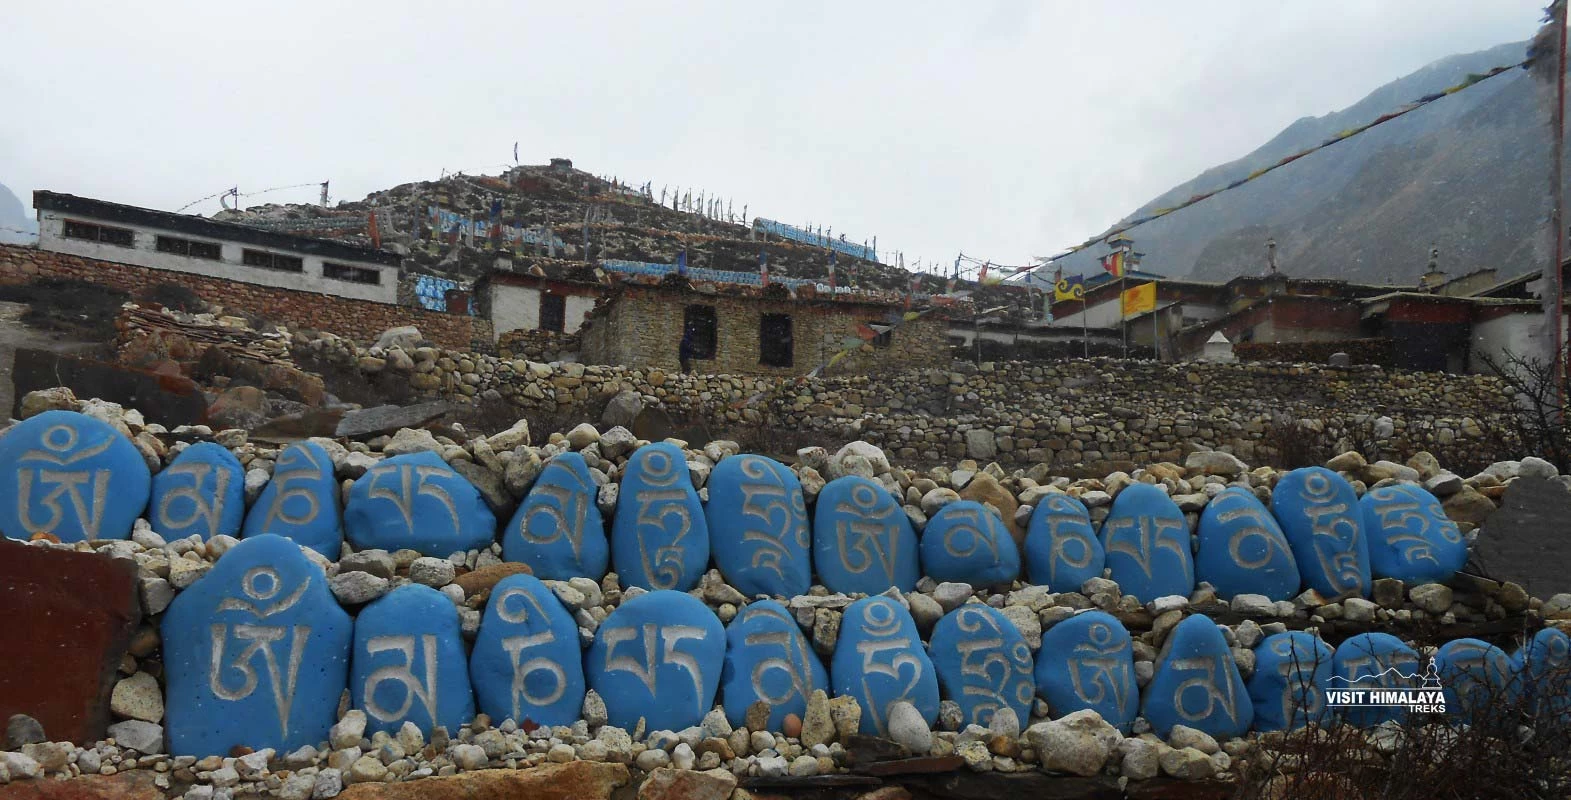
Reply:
x=1558, y=188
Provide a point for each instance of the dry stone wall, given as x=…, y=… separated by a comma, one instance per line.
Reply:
x=1100, y=412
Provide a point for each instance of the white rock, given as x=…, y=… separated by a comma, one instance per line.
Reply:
x=907, y=727
x=355, y=588
x=143, y=737
x=1078, y=743
x=434, y=572
x=1182, y=736
x=348, y=732
x=138, y=697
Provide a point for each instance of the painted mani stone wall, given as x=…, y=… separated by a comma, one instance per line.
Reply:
x=259, y=649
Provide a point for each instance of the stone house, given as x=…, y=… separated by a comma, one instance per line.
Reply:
x=747, y=331
x=539, y=294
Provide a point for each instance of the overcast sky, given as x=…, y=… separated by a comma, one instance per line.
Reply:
x=1004, y=129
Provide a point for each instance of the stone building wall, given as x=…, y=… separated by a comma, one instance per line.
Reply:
x=643, y=326
x=354, y=319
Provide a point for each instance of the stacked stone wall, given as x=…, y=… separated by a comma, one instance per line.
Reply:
x=354, y=319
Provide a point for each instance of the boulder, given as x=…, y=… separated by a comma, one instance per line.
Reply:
x=404, y=337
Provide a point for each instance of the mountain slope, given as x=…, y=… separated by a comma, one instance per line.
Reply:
x=14, y=219
x=1464, y=174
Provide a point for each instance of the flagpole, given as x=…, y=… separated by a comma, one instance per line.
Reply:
x=1123, y=325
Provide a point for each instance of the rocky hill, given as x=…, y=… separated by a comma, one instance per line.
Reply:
x=1465, y=174
x=587, y=219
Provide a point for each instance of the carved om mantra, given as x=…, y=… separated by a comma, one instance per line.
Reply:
x=882, y=626
x=791, y=659
x=1098, y=669
x=1335, y=534
x=562, y=511
x=772, y=515
x=1062, y=514
x=297, y=465
x=415, y=689
x=966, y=536
x=1300, y=695
x=863, y=540
x=58, y=443
x=209, y=508
x=650, y=637
x=514, y=606
x=985, y=668
x=663, y=516
x=260, y=585
x=1141, y=537
x=411, y=485
x=1234, y=507
x=1213, y=684
x=1405, y=522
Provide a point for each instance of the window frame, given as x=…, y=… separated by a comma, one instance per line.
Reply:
x=704, y=348
x=347, y=273
x=767, y=336
x=558, y=315
x=174, y=245
x=105, y=234
x=266, y=259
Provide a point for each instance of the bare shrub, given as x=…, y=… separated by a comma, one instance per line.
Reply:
x=1539, y=426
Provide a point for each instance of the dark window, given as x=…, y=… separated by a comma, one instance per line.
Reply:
x=774, y=340
x=698, y=325
x=120, y=237
x=553, y=312
x=344, y=272
x=883, y=339
x=266, y=260
x=187, y=247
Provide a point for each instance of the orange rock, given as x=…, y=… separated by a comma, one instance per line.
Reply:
x=481, y=580
x=791, y=726
x=44, y=537
x=131, y=785
x=575, y=780
x=984, y=488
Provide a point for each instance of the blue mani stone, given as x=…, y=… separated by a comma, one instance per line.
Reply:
x=1243, y=550
x=1373, y=661
x=1319, y=513
x=659, y=538
x=1196, y=684
x=1062, y=551
x=301, y=501
x=417, y=502
x=1147, y=542
x=767, y=658
x=1088, y=662
x=1286, y=688
x=1410, y=536
x=965, y=542
x=983, y=663
x=70, y=475
x=657, y=657
x=879, y=659
x=1541, y=667
x=758, y=529
x=1476, y=676
x=201, y=492
x=558, y=530
x=862, y=539
x=409, y=663
x=526, y=663
x=256, y=653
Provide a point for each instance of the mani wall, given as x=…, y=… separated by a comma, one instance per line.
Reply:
x=608, y=599
x=355, y=319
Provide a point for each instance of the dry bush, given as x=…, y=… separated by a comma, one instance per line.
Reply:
x=1509, y=742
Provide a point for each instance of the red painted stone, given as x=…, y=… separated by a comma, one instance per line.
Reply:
x=76, y=613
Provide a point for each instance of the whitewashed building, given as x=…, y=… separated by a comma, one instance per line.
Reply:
x=196, y=245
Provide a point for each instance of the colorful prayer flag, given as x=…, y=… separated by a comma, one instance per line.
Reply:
x=763, y=269
x=1114, y=263
x=1139, y=299
x=1071, y=287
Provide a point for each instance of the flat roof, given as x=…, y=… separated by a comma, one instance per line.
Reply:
x=213, y=229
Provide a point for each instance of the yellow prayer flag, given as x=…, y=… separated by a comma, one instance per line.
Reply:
x=1141, y=298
